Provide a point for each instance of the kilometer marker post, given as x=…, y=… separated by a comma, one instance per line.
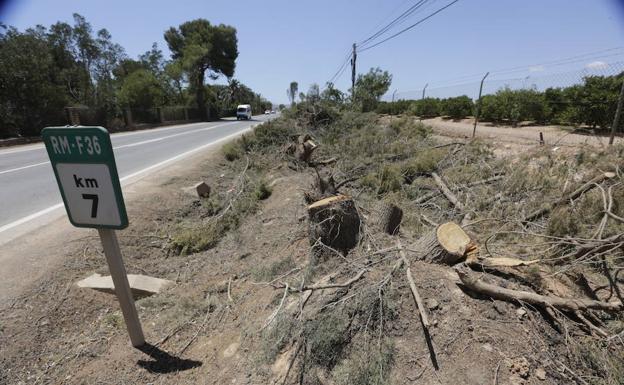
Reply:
x=84, y=167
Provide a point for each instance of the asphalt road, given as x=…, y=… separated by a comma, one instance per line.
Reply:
x=28, y=190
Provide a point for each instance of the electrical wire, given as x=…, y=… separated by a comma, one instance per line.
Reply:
x=410, y=27
x=394, y=22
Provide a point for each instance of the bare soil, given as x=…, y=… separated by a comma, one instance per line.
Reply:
x=210, y=328
x=523, y=134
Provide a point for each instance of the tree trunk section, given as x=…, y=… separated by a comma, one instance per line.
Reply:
x=335, y=222
x=447, y=245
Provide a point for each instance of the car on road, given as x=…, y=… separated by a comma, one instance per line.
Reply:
x=272, y=111
x=266, y=112
x=243, y=111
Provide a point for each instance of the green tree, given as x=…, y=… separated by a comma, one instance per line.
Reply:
x=32, y=94
x=203, y=48
x=370, y=87
x=332, y=94
x=598, y=99
x=292, y=90
x=141, y=90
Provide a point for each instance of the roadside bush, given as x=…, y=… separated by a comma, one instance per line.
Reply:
x=232, y=151
x=263, y=191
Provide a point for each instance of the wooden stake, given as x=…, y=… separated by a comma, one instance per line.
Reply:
x=122, y=287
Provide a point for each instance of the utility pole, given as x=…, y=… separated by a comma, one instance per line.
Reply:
x=353, y=59
x=478, y=107
x=618, y=111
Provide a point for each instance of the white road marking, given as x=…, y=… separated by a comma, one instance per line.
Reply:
x=125, y=146
x=23, y=167
x=45, y=211
x=114, y=135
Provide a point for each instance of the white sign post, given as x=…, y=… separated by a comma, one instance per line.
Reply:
x=84, y=166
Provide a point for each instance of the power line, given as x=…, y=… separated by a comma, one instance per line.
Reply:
x=410, y=27
x=394, y=22
x=556, y=62
x=383, y=21
x=341, y=69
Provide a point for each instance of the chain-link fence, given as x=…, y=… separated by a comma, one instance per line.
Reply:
x=580, y=97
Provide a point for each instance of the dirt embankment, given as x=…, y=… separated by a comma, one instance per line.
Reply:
x=256, y=301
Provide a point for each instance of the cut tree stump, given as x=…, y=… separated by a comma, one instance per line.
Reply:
x=447, y=245
x=323, y=186
x=335, y=222
x=390, y=216
x=202, y=189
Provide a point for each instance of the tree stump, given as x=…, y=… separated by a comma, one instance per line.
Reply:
x=390, y=217
x=447, y=244
x=323, y=186
x=335, y=222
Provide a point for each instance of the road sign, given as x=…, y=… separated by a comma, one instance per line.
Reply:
x=84, y=165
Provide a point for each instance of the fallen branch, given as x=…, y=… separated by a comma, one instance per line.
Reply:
x=573, y=195
x=326, y=286
x=276, y=311
x=417, y=298
x=447, y=192
x=472, y=281
x=424, y=319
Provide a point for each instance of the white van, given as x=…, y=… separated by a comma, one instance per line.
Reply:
x=243, y=111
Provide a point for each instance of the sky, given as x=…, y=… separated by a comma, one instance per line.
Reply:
x=280, y=41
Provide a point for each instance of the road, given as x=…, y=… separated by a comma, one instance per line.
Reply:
x=29, y=196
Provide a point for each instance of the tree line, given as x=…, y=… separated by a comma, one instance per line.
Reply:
x=45, y=69
x=591, y=103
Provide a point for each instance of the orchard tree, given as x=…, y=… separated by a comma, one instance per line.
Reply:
x=370, y=87
x=203, y=48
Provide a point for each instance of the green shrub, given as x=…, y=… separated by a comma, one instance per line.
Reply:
x=232, y=151
x=390, y=179
x=263, y=191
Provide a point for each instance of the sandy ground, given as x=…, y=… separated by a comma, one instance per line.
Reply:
x=553, y=135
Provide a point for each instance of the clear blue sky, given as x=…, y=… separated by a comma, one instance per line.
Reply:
x=306, y=41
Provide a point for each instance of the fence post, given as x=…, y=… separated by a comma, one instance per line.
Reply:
x=478, y=106
x=616, y=118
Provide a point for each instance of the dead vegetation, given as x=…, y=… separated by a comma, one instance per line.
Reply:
x=537, y=223
x=382, y=256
